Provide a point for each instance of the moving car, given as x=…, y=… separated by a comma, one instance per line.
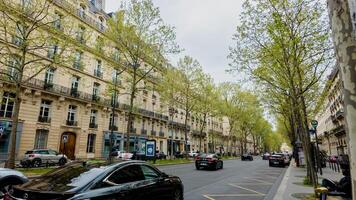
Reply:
x=211, y=161
x=84, y=180
x=266, y=156
x=39, y=157
x=247, y=157
x=277, y=160
x=122, y=155
x=8, y=178
x=286, y=158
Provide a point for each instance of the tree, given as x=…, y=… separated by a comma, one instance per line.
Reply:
x=284, y=46
x=343, y=31
x=144, y=39
x=179, y=87
x=32, y=41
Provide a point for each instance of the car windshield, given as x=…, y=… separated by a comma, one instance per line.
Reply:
x=66, y=178
x=203, y=155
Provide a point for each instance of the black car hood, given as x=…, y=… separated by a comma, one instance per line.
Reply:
x=16, y=176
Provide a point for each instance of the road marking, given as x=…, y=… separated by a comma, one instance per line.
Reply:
x=254, y=179
x=247, y=189
x=253, y=184
x=207, y=196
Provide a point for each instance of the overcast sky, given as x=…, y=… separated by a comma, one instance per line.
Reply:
x=204, y=29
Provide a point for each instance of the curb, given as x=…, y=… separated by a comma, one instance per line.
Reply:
x=283, y=185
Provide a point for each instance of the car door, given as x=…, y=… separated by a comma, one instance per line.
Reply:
x=157, y=187
x=125, y=183
x=44, y=156
x=52, y=156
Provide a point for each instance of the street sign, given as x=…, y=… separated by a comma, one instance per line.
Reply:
x=150, y=148
x=314, y=123
x=65, y=138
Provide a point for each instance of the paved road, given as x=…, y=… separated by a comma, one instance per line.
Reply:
x=239, y=180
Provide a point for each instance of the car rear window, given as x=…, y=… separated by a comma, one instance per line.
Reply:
x=66, y=178
x=29, y=152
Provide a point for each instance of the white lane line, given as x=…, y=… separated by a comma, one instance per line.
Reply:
x=234, y=195
x=247, y=189
x=252, y=184
x=207, y=196
x=254, y=179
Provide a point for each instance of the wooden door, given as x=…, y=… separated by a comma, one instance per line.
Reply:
x=68, y=148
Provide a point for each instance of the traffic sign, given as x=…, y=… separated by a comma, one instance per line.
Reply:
x=64, y=138
x=314, y=123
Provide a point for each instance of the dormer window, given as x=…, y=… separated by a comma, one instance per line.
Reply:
x=82, y=11
x=101, y=23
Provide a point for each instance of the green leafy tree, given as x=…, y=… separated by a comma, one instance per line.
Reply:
x=144, y=40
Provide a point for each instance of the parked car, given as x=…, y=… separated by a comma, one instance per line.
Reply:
x=9, y=178
x=122, y=180
x=138, y=155
x=211, y=161
x=286, y=158
x=122, y=155
x=247, y=156
x=192, y=154
x=39, y=157
x=266, y=156
x=277, y=160
x=160, y=155
x=179, y=154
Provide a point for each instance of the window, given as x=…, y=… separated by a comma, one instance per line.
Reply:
x=80, y=34
x=96, y=89
x=116, y=54
x=149, y=172
x=97, y=70
x=52, y=51
x=45, y=109
x=101, y=23
x=57, y=22
x=18, y=38
x=75, y=83
x=71, y=113
x=99, y=43
x=25, y=3
x=41, y=139
x=114, y=75
x=7, y=104
x=49, y=76
x=143, y=124
x=115, y=120
x=77, y=59
x=91, y=143
x=127, y=174
x=13, y=67
x=82, y=11
x=93, y=116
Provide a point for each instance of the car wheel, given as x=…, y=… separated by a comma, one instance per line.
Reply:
x=177, y=195
x=37, y=162
x=62, y=161
x=197, y=167
x=222, y=165
x=217, y=166
x=270, y=164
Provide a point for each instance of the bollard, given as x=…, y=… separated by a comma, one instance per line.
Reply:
x=322, y=192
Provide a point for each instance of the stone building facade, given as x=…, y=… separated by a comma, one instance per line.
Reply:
x=68, y=109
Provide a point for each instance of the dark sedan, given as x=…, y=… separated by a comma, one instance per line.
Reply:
x=8, y=178
x=211, y=161
x=247, y=157
x=277, y=160
x=124, y=180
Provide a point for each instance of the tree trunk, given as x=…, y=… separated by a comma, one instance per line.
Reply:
x=186, y=132
x=345, y=48
x=201, y=132
x=15, y=120
x=132, y=98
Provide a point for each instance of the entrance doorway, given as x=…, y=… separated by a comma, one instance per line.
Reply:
x=67, y=146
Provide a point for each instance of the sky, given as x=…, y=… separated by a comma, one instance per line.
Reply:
x=204, y=30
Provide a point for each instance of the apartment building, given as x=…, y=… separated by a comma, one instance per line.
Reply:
x=331, y=120
x=67, y=108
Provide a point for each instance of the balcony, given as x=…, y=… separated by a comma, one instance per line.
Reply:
x=93, y=125
x=153, y=133
x=98, y=73
x=95, y=98
x=44, y=119
x=114, y=128
x=47, y=86
x=161, y=134
x=74, y=92
x=339, y=114
x=77, y=65
x=143, y=132
x=71, y=123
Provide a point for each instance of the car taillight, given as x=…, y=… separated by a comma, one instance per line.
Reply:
x=197, y=158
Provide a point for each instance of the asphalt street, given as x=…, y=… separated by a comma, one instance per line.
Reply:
x=239, y=180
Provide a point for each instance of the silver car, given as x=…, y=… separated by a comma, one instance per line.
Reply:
x=39, y=157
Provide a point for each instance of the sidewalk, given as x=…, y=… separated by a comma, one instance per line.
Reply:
x=292, y=188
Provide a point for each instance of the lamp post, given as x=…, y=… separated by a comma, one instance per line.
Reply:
x=171, y=111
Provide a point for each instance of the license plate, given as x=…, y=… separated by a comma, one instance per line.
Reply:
x=203, y=164
x=276, y=163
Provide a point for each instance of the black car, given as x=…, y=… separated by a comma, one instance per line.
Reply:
x=247, y=157
x=8, y=178
x=277, y=160
x=211, y=161
x=123, y=180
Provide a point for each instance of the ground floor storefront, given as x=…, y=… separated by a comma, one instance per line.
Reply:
x=5, y=134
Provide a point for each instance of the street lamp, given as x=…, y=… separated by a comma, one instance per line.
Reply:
x=172, y=111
